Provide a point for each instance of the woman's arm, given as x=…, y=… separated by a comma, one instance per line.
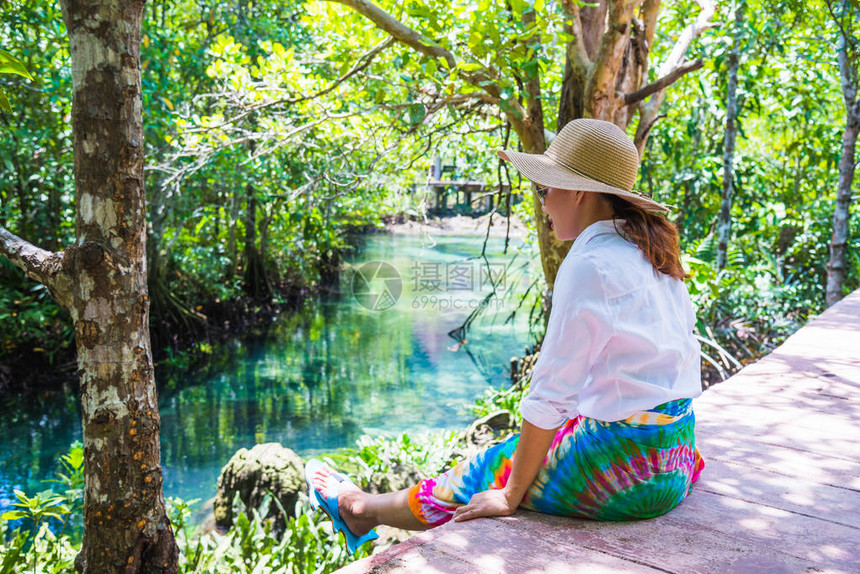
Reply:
x=528, y=457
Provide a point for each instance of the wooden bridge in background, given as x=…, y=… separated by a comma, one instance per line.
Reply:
x=468, y=196
x=780, y=491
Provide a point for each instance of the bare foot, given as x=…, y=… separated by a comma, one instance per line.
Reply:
x=351, y=500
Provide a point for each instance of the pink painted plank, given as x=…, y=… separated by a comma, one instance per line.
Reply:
x=841, y=369
x=792, y=494
x=768, y=419
x=812, y=467
x=710, y=532
x=820, y=441
x=824, y=543
x=490, y=546
x=371, y=562
x=676, y=545
x=425, y=560
x=496, y=546
x=823, y=443
x=823, y=388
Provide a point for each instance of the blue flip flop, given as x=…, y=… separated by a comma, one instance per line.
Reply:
x=329, y=506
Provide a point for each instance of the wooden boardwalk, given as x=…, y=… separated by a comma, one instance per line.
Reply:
x=780, y=491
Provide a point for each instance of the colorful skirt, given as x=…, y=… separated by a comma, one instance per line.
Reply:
x=639, y=467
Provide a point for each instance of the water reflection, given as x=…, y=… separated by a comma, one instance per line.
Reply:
x=316, y=380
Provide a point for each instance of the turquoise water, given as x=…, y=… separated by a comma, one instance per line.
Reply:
x=373, y=358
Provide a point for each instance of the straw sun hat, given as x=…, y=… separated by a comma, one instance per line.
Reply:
x=587, y=155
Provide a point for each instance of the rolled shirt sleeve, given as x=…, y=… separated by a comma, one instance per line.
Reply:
x=578, y=328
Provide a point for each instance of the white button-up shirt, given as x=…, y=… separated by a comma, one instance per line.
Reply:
x=619, y=337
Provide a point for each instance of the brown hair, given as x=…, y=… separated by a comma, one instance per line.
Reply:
x=653, y=233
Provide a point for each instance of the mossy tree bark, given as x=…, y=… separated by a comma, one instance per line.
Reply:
x=102, y=280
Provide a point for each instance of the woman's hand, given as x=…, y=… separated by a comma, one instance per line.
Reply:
x=487, y=503
x=528, y=457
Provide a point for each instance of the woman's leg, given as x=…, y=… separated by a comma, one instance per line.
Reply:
x=429, y=503
x=362, y=511
x=369, y=510
x=433, y=501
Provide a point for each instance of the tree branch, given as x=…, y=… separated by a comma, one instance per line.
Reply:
x=660, y=84
x=483, y=79
x=849, y=90
x=361, y=64
x=576, y=51
x=43, y=266
x=648, y=15
x=690, y=33
x=648, y=110
x=534, y=106
x=600, y=85
x=398, y=30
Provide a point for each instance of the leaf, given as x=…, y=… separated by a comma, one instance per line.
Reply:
x=10, y=65
x=510, y=109
x=417, y=113
x=13, y=553
x=13, y=515
x=469, y=66
x=15, y=68
x=4, y=103
x=75, y=458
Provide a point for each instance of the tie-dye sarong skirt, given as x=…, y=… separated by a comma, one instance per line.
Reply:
x=639, y=467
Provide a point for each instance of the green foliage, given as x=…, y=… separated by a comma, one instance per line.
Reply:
x=33, y=544
x=508, y=399
x=35, y=173
x=254, y=104
x=38, y=508
x=432, y=453
x=10, y=65
x=47, y=552
x=307, y=545
x=32, y=321
x=789, y=133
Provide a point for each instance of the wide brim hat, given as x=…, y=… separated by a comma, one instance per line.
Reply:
x=587, y=155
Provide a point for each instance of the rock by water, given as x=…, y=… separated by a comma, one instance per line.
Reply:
x=252, y=473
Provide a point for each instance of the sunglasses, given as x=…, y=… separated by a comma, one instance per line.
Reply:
x=541, y=192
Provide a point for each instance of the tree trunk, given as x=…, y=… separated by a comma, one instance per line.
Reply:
x=531, y=133
x=256, y=285
x=836, y=265
x=571, y=104
x=233, y=218
x=724, y=222
x=101, y=280
x=552, y=251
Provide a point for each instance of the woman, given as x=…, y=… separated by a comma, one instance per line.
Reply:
x=608, y=425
